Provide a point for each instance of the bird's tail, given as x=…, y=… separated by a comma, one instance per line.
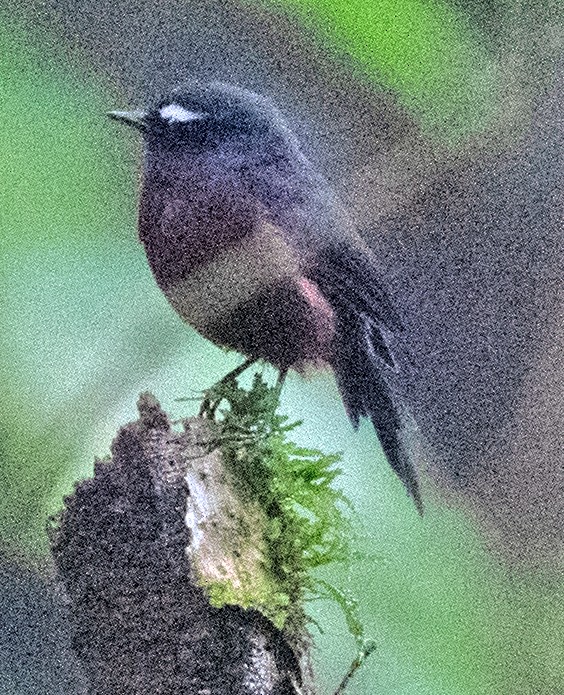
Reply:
x=366, y=393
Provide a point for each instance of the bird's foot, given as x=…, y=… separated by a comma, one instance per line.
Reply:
x=213, y=396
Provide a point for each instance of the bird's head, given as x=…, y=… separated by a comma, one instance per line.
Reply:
x=200, y=117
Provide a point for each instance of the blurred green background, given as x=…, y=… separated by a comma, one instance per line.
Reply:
x=83, y=329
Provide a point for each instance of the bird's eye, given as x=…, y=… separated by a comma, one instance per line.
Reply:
x=174, y=113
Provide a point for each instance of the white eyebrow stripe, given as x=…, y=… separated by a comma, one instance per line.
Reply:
x=176, y=113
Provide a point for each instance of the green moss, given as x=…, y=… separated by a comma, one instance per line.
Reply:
x=304, y=520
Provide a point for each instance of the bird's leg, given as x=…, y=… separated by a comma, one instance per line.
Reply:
x=282, y=374
x=209, y=406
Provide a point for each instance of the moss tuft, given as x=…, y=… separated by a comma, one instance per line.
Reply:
x=304, y=521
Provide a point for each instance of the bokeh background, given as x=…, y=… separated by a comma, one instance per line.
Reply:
x=440, y=123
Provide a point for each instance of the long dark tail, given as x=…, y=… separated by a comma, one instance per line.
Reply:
x=365, y=393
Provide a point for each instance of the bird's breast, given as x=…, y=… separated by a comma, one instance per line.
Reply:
x=211, y=293
x=238, y=280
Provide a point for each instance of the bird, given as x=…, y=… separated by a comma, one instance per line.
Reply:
x=252, y=247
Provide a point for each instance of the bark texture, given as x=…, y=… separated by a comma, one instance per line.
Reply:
x=142, y=624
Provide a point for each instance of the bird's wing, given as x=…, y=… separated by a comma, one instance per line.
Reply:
x=363, y=312
x=351, y=278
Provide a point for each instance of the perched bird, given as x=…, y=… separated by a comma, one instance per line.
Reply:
x=251, y=247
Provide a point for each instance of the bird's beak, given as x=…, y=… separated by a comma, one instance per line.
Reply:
x=133, y=118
